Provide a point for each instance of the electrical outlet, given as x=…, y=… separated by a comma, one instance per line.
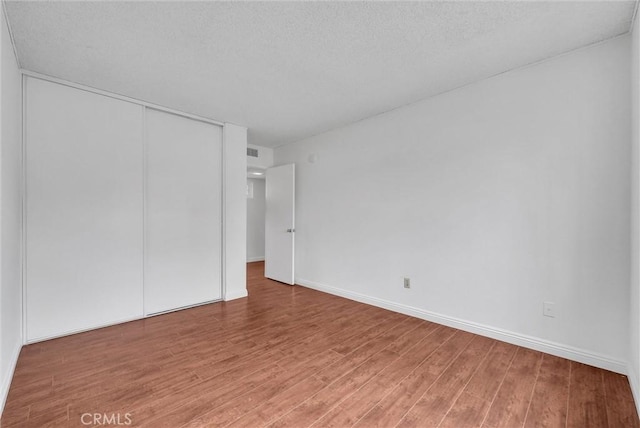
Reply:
x=549, y=309
x=407, y=282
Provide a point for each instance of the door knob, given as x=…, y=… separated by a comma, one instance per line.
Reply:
x=291, y=230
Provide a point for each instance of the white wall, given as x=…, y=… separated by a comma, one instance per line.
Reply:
x=10, y=212
x=234, y=143
x=634, y=298
x=492, y=198
x=255, y=221
x=264, y=159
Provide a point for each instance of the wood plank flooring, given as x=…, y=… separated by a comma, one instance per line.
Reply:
x=294, y=357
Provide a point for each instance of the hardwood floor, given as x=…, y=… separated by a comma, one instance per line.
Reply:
x=294, y=357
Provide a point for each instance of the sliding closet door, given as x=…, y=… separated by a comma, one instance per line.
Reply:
x=183, y=220
x=84, y=211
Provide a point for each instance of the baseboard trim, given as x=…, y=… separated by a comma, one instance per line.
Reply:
x=239, y=294
x=255, y=259
x=30, y=341
x=6, y=381
x=553, y=348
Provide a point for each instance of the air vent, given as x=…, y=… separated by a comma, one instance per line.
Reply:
x=252, y=152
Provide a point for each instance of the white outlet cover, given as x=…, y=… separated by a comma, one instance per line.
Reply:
x=548, y=309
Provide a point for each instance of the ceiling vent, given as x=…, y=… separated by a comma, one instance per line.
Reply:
x=252, y=152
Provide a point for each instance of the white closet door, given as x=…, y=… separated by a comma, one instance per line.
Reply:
x=183, y=226
x=84, y=169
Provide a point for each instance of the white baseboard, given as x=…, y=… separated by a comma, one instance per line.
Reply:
x=255, y=259
x=29, y=341
x=553, y=348
x=8, y=377
x=237, y=294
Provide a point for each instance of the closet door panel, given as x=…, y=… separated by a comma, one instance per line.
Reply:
x=84, y=211
x=183, y=221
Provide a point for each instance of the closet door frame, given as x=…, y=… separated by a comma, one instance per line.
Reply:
x=224, y=258
x=83, y=156
x=145, y=142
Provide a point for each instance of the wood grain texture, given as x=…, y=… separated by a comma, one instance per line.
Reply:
x=474, y=402
x=434, y=404
x=587, y=400
x=548, y=407
x=620, y=405
x=294, y=357
x=511, y=403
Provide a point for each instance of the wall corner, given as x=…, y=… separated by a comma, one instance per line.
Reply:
x=234, y=234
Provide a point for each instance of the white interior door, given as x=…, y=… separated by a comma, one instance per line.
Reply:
x=183, y=220
x=280, y=224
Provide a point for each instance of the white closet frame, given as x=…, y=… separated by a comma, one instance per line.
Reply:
x=145, y=105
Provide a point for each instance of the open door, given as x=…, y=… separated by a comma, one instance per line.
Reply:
x=279, y=227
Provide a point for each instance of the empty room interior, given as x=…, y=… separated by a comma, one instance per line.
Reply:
x=328, y=214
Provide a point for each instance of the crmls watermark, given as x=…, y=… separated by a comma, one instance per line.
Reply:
x=96, y=419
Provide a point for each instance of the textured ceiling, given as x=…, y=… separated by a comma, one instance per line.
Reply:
x=288, y=70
